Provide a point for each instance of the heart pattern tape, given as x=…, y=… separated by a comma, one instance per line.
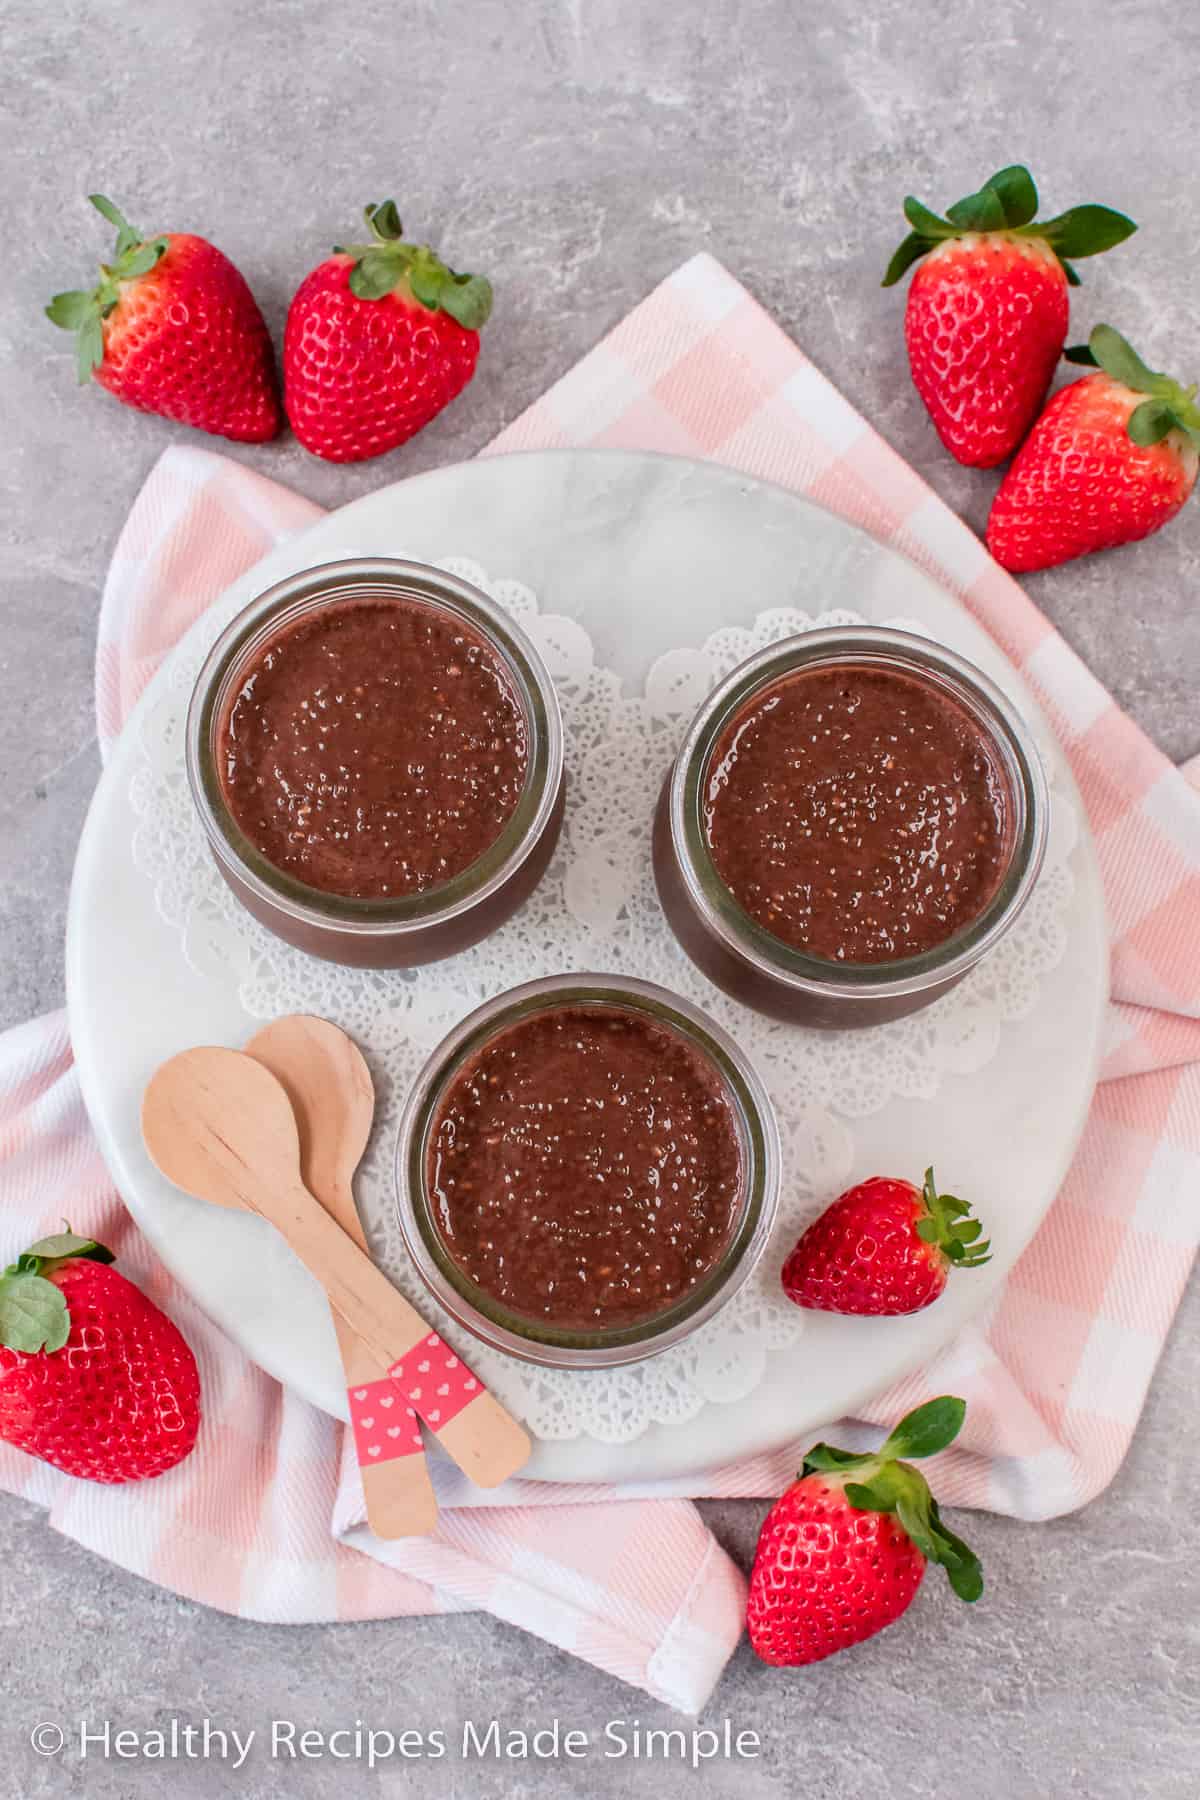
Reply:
x=435, y=1382
x=384, y=1425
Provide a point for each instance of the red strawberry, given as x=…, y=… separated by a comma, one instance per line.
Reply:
x=885, y=1247
x=93, y=1378
x=172, y=328
x=1112, y=458
x=843, y=1551
x=379, y=338
x=987, y=311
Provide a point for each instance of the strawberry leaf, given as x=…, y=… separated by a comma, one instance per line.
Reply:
x=924, y=221
x=927, y=1429
x=911, y=250
x=82, y=312
x=427, y=279
x=71, y=310
x=960, y=1562
x=966, y=1577
x=64, y=1246
x=1151, y=422
x=375, y=275
x=127, y=236
x=1015, y=189
x=900, y=1489
x=89, y=350
x=888, y=1484
x=388, y=262
x=384, y=220
x=946, y=1222
x=1118, y=358
x=69, y=1243
x=1008, y=201
x=1085, y=231
x=1170, y=406
x=871, y=1496
x=33, y=1313
x=983, y=211
x=825, y=1457
x=914, y=1509
x=107, y=210
x=142, y=260
x=468, y=298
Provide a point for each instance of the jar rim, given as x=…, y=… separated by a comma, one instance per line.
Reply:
x=922, y=659
x=560, y=1347
x=348, y=580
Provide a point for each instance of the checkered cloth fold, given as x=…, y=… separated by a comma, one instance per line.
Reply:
x=265, y=1519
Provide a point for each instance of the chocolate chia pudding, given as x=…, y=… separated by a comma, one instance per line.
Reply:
x=584, y=1167
x=376, y=748
x=857, y=813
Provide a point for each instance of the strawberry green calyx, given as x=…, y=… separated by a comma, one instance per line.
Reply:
x=33, y=1311
x=82, y=310
x=1007, y=203
x=947, y=1223
x=1169, y=405
x=880, y=1481
x=388, y=262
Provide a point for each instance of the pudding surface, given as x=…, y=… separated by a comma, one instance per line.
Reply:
x=374, y=748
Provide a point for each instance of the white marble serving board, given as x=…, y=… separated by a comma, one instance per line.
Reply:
x=648, y=553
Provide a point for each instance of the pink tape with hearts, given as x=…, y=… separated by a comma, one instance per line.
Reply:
x=435, y=1381
x=385, y=1427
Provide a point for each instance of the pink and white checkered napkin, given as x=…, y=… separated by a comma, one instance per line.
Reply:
x=265, y=1519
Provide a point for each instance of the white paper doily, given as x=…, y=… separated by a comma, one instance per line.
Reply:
x=597, y=909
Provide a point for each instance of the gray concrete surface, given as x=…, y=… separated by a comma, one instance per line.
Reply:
x=576, y=150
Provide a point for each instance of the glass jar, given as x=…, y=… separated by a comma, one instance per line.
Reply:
x=418, y=927
x=761, y=970
x=570, y=1347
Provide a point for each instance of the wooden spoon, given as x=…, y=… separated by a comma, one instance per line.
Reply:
x=219, y=1125
x=329, y=1085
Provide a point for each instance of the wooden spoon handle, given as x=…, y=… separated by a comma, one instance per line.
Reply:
x=386, y=1321
x=329, y=1086
x=399, y=1495
x=485, y=1441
